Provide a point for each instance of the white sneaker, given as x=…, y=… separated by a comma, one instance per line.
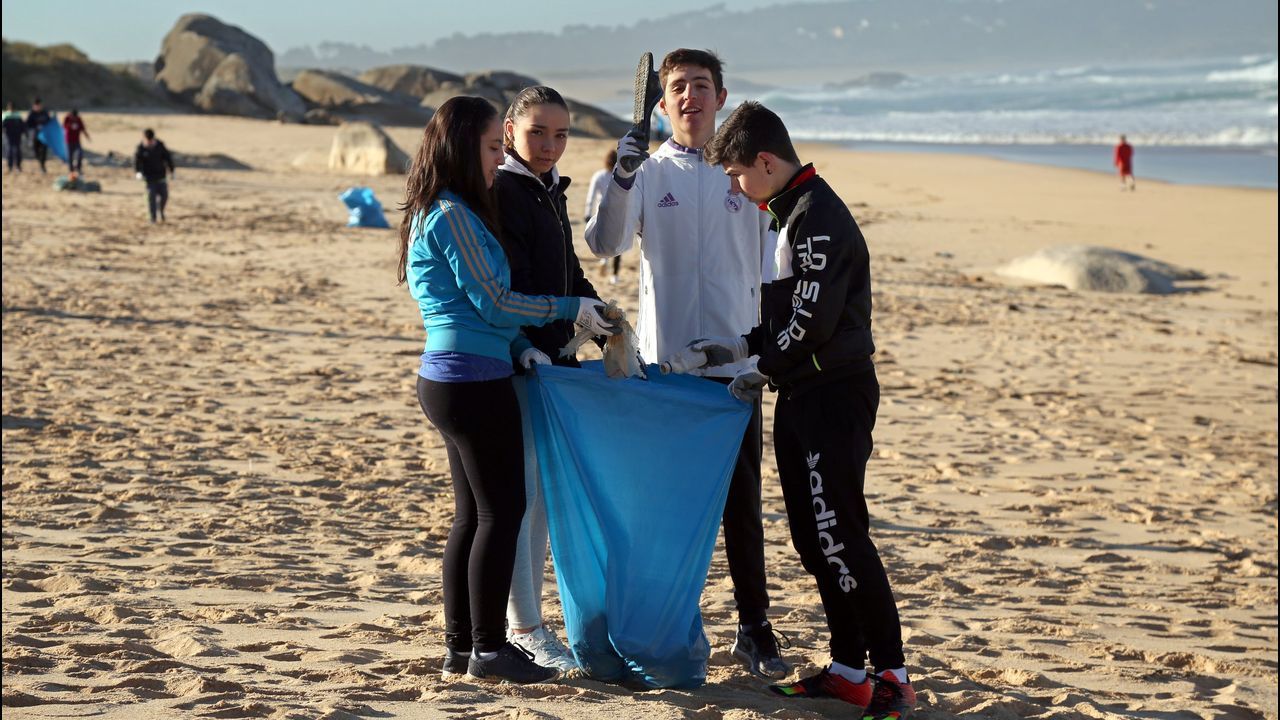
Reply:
x=546, y=648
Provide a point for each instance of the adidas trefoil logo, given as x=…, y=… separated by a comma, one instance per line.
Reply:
x=812, y=459
x=668, y=200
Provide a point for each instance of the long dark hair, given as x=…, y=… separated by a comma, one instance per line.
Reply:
x=449, y=158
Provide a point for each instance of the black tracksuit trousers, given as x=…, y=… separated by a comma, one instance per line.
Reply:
x=480, y=422
x=744, y=527
x=822, y=439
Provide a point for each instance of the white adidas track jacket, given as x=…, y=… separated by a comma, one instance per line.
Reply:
x=701, y=250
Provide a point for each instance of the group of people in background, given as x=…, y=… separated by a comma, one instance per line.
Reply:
x=755, y=275
x=17, y=128
x=152, y=161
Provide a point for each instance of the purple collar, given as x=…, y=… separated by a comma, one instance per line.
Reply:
x=693, y=151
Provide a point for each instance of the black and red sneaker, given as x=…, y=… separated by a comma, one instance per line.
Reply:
x=827, y=684
x=891, y=700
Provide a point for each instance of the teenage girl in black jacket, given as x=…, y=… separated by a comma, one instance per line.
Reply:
x=534, y=214
x=539, y=244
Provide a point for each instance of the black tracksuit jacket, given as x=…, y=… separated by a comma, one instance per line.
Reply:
x=539, y=246
x=815, y=325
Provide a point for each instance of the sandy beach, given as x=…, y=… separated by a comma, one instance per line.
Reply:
x=221, y=499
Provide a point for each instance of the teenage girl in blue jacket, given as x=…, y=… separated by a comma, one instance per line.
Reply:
x=456, y=269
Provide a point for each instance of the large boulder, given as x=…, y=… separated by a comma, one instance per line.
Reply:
x=416, y=81
x=326, y=89
x=348, y=99
x=504, y=80
x=362, y=148
x=591, y=121
x=223, y=69
x=500, y=87
x=448, y=90
x=1099, y=269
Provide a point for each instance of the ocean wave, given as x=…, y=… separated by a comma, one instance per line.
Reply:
x=1264, y=73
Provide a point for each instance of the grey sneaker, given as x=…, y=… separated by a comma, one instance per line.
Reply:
x=546, y=648
x=512, y=664
x=757, y=648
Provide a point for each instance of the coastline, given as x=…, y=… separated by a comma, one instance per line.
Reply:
x=1216, y=166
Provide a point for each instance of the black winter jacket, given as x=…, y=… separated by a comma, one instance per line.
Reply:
x=539, y=245
x=152, y=161
x=815, y=324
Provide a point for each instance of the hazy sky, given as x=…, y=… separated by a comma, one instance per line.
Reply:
x=120, y=30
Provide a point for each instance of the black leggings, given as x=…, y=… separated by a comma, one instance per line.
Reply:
x=822, y=438
x=480, y=422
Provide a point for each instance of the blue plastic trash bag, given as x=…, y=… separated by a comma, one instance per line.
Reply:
x=366, y=211
x=635, y=475
x=50, y=134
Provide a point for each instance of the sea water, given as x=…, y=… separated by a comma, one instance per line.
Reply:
x=1197, y=121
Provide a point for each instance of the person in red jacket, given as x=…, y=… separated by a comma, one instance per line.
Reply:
x=74, y=127
x=1123, y=161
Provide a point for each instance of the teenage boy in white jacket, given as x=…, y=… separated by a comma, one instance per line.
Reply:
x=702, y=246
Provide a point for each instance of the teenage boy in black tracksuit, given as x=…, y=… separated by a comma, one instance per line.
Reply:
x=814, y=346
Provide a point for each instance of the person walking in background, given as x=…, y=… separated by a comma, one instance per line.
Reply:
x=536, y=234
x=15, y=130
x=74, y=127
x=455, y=263
x=595, y=193
x=1123, y=160
x=152, y=162
x=36, y=119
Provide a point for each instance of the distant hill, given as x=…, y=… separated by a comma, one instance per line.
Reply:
x=64, y=78
x=851, y=37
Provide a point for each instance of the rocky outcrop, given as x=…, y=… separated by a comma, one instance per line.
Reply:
x=500, y=87
x=344, y=98
x=222, y=69
x=322, y=88
x=591, y=121
x=66, y=78
x=416, y=81
x=502, y=80
x=362, y=148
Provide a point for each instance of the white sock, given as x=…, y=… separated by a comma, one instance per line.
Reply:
x=899, y=674
x=485, y=655
x=853, y=675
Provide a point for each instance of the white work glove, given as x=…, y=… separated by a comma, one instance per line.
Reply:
x=138, y=175
x=683, y=361
x=721, y=351
x=748, y=385
x=591, y=317
x=533, y=356
x=632, y=151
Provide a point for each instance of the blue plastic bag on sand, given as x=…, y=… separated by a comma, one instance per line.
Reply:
x=51, y=134
x=635, y=475
x=366, y=211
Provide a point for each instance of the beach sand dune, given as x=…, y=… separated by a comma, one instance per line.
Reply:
x=221, y=498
